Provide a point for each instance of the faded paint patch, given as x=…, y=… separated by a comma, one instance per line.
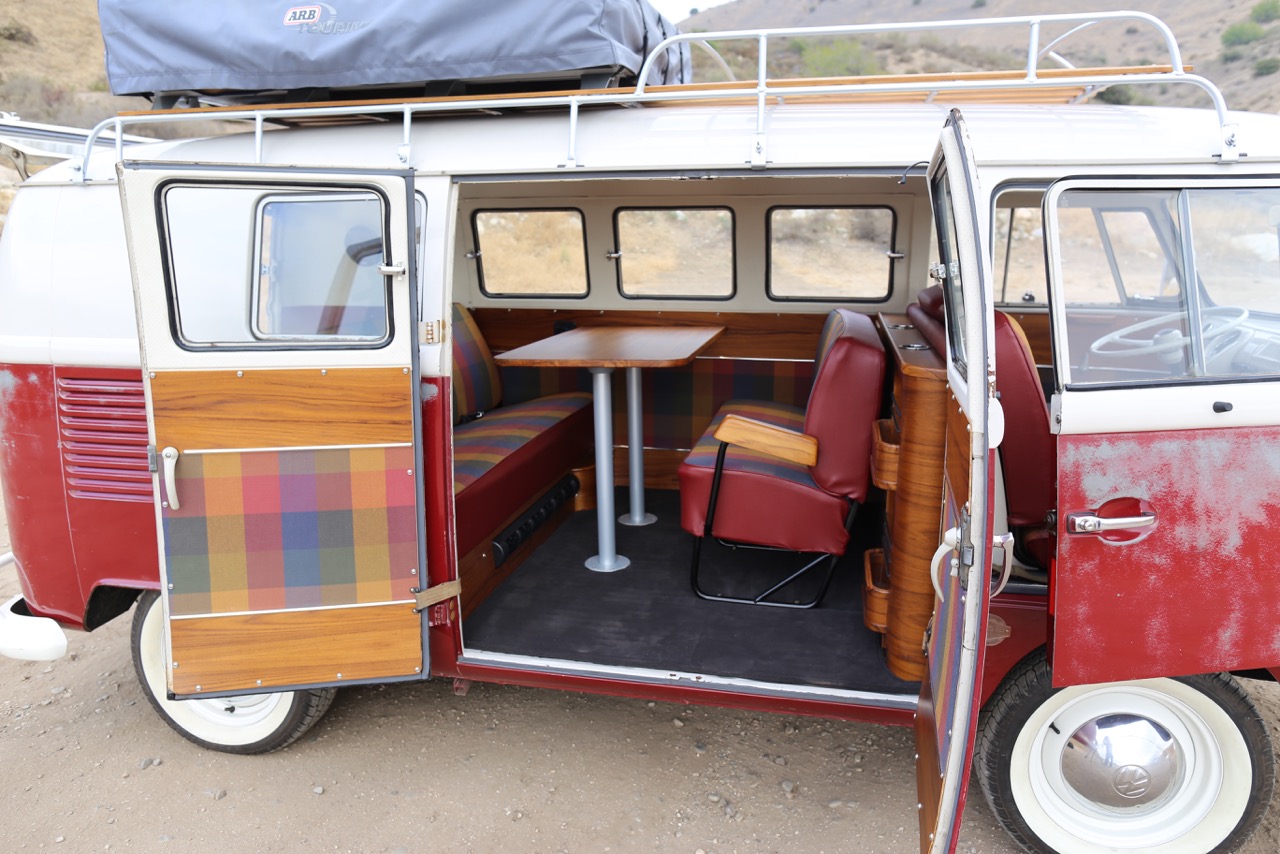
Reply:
x=430, y=391
x=1201, y=593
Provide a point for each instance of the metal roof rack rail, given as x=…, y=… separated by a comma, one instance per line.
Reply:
x=1068, y=83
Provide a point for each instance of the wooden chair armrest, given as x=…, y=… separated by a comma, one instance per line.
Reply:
x=769, y=439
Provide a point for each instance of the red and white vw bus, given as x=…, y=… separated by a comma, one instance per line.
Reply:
x=936, y=401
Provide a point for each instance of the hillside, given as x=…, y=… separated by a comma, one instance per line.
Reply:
x=1245, y=72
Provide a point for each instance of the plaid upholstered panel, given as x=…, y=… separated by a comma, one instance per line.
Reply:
x=745, y=459
x=678, y=402
x=265, y=530
x=480, y=445
x=476, y=384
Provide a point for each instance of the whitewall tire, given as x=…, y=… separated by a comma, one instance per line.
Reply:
x=251, y=723
x=1155, y=766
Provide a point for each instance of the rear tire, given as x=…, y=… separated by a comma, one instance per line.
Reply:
x=1154, y=766
x=251, y=723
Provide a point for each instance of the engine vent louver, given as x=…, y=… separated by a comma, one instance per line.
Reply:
x=102, y=426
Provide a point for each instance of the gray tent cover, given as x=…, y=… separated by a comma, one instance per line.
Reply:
x=256, y=45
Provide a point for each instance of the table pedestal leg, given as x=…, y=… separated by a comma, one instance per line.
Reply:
x=608, y=560
x=635, y=453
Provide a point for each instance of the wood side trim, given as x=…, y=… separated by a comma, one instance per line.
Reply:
x=225, y=410
x=746, y=334
x=330, y=646
x=790, y=445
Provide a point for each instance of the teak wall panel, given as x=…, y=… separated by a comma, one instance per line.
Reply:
x=916, y=521
x=221, y=410
x=294, y=648
x=920, y=395
x=1035, y=325
x=747, y=334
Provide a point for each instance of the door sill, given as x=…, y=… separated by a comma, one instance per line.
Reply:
x=644, y=675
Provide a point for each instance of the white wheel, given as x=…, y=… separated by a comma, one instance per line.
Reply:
x=1153, y=766
x=250, y=723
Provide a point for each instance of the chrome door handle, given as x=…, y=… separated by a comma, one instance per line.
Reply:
x=950, y=538
x=169, y=457
x=1087, y=523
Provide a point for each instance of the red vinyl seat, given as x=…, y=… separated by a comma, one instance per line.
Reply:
x=764, y=500
x=1028, y=455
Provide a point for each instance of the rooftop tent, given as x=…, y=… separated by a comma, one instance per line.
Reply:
x=243, y=50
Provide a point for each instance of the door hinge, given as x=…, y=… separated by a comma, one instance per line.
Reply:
x=431, y=332
x=442, y=613
x=153, y=459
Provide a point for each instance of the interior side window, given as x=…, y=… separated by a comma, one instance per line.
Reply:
x=1018, y=238
x=254, y=266
x=530, y=252
x=317, y=268
x=675, y=252
x=831, y=253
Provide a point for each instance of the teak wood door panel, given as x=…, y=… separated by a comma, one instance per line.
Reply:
x=287, y=482
x=281, y=408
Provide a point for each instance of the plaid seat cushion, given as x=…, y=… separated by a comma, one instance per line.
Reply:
x=476, y=385
x=480, y=445
x=745, y=459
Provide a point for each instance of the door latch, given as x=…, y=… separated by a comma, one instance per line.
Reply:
x=169, y=459
x=1088, y=523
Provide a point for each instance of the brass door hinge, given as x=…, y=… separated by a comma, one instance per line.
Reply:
x=431, y=332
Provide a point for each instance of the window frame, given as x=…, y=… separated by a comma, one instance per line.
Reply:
x=1192, y=299
x=476, y=253
x=733, y=253
x=889, y=257
x=276, y=190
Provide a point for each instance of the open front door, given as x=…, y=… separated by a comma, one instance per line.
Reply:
x=277, y=322
x=955, y=641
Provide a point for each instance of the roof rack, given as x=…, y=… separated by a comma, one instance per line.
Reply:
x=1065, y=84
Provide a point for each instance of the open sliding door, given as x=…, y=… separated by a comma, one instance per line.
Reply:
x=955, y=641
x=277, y=320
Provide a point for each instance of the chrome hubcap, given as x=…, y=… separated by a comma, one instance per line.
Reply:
x=1123, y=763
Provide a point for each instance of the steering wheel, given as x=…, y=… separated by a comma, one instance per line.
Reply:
x=1216, y=320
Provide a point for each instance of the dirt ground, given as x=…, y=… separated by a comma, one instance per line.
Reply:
x=86, y=765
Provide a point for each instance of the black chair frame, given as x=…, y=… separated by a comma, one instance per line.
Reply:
x=762, y=598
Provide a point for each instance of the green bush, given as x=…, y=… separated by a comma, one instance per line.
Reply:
x=1263, y=67
x=1266, y=11
x=1234, y=54
x=838, y=59
x=1242, y=33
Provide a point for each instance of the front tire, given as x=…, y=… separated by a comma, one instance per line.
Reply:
x=1154, y=766
x=251, y=723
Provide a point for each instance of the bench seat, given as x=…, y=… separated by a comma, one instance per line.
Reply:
x=504, y=457
x=504, y=460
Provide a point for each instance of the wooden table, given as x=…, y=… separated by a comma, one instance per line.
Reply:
x=601, y=349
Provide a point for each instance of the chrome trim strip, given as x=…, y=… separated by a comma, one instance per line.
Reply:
x=296, y=448
x=291, y=610
x=667, y=677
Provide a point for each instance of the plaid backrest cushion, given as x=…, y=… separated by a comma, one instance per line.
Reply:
x=844, y=402
x=476, y=385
